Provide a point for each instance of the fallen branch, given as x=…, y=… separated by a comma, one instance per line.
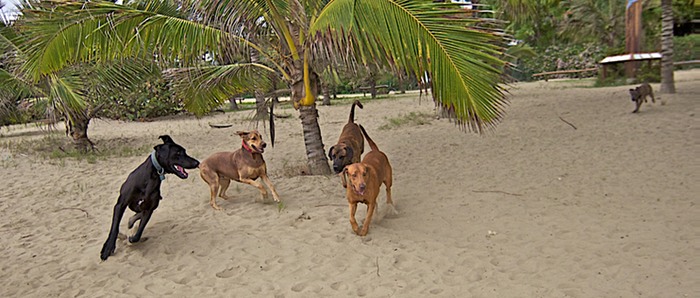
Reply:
x=567, y=122
x=498, y=191
x=75, y=208
x=220, y=125
x=282, y=116
x=377, y=266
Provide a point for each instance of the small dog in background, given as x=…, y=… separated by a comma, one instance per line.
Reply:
x=640, y=94
x=243, y=165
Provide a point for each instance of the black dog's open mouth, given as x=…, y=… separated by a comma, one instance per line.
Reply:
x=181, y=171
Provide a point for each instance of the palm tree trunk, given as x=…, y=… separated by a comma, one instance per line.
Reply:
x=326, y=95
x=315, y=154
x=77, y=130
x=667, y=82
x=261, y=109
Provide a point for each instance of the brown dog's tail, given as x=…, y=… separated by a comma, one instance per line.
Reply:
x=352, y=111
x=371, y=143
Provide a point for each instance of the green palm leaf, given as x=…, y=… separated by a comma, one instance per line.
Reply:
x=65, y=96
x=64, y=32
x=203, y=89
x=463, y=63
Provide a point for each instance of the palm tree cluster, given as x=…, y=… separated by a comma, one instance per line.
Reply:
x=212, y=50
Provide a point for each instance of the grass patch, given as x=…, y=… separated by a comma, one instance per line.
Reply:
x=57, y=146
x=293, y=169
x=410, y=119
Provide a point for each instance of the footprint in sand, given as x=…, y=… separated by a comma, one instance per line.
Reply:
x=299, y=287
x=227, y=273
x=339, y=286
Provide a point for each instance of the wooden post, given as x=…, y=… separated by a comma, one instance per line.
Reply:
x=633, y=32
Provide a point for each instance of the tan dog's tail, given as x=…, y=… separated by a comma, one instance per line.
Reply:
x=371, y=143
x=352, y=111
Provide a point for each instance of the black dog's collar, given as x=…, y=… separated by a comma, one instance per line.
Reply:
x=159, y=169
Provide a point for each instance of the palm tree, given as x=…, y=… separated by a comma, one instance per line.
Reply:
x=594, y=20
x=667, y=82
x=291, y=37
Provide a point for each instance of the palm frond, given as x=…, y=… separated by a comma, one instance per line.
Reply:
x=203, y=89
x=14, y=87
x=65, y=32
x=463, y=63
x=65, y=96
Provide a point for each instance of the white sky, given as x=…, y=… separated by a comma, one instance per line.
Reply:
x=10, y=9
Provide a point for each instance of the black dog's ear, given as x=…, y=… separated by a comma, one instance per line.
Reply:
x=342, y=177
x=167, y=139
x=330, y=152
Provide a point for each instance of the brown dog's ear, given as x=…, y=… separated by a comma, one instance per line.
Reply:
x=349, y=153
x=342, y=177
x=242, y=133
x=330, y=152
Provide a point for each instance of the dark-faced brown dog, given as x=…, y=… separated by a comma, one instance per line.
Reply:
x=364, y=179
x=350, y=144
x=243, y=165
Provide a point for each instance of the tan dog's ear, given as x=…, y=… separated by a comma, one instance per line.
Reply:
x=242, y=133
x=342, y=177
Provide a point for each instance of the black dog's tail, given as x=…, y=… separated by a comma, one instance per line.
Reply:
x=352, y=111
x=371, y=143
x=166, y=139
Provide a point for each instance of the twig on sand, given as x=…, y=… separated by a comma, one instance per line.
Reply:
x=75, y=208
x=567, y=122
x=220, y=125
x=378, y=266
x=498, y=191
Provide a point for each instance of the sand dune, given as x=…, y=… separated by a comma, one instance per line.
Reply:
x=602, y=206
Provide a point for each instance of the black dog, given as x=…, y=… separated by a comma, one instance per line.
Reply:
x=141, y=190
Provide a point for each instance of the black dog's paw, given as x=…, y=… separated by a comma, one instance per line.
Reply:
x=107, y=250
x=133, y=239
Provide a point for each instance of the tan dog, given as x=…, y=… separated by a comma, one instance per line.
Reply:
x=365, y=178
x=350, y=145
x=243, y=165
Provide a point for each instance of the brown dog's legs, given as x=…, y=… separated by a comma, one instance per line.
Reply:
x=272, y=187
x=388, y=196
x=388, y=181
x=224, y=182
x=212, y=179
x=368, y=218
x=353, y=222
x=263, y=192
x=212, y=200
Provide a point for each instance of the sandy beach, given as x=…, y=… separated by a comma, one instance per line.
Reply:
x=571, y=195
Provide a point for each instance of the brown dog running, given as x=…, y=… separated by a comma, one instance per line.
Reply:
x=243, y=165
x=640, y=94
x=350, y=145
x=365, y=179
